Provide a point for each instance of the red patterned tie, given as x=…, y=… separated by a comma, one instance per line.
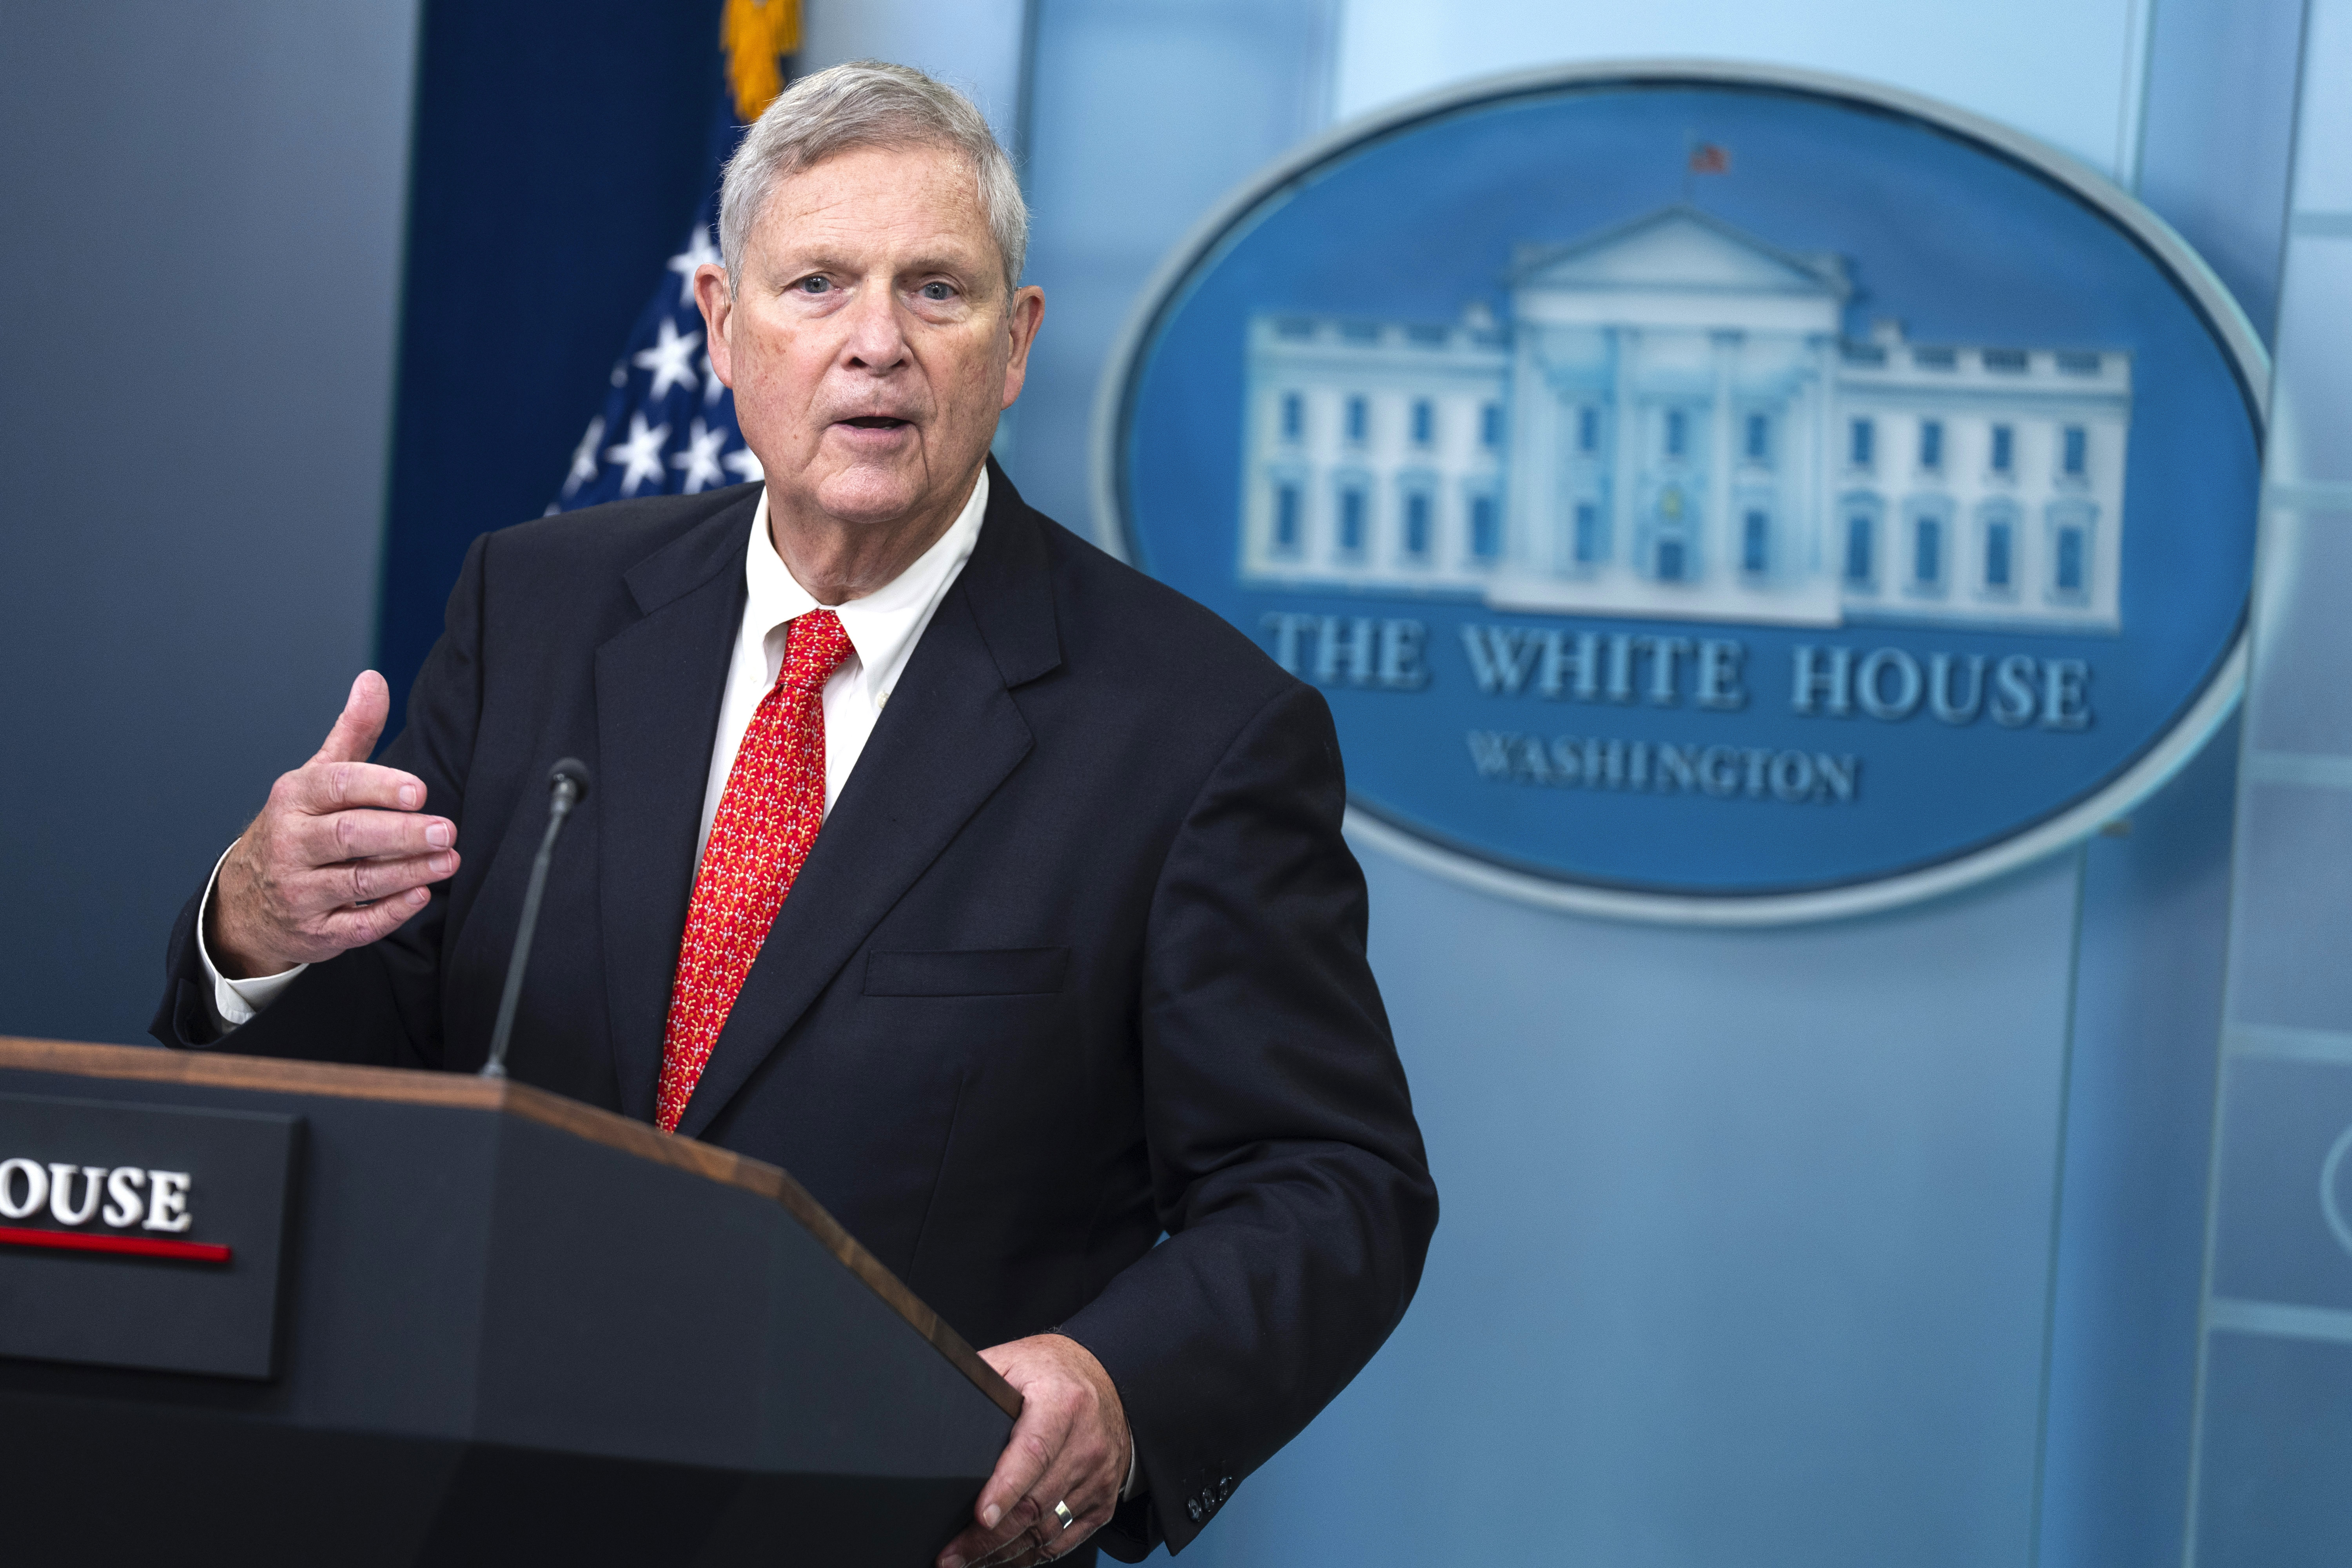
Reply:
x=767, y=820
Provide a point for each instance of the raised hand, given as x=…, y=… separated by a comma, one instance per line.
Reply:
x=340, y=857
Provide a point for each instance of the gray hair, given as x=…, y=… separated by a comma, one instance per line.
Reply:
x=868, y=103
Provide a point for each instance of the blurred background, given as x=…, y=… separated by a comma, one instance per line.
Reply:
x=1956, y=1235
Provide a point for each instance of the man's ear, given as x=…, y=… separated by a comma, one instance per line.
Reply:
x=1021, y=320
x=717, y=301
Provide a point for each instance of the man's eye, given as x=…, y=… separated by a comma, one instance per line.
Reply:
x=813, y=285
x=938, y=291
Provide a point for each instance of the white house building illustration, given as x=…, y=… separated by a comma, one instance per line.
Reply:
x=1673, y=426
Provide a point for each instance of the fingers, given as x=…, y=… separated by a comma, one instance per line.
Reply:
x=363, y=882
x=346, y=928
x=1076, y=1471
x=1005, y=1513
x=319, y=787
x=1021, y=1551
x=356, y=731
x=1037, y=1534
x=308, y=898
x=342, y=835
x=1026, y=1457
x=1077, y=1479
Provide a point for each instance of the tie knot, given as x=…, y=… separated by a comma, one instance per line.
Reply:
x=814, y=647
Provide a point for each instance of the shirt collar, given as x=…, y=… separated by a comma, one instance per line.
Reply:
x=883, y=626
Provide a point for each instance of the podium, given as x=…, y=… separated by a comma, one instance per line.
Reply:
x=271, y=1311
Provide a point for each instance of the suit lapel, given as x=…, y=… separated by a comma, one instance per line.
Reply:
x=659, y=686
x=951, y=734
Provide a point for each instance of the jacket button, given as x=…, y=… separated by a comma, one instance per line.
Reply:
x=1192, y=1507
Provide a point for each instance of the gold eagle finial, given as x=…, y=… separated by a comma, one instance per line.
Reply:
x=756, y=34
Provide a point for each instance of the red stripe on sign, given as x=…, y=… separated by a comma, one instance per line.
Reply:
x=136, y=1245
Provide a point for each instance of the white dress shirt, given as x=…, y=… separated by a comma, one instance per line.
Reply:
x=883, y=627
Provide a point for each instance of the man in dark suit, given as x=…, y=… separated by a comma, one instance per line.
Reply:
x=1078, y=955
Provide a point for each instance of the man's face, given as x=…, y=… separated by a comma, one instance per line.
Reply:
x=870, y=341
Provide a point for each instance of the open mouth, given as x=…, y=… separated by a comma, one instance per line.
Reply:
x=874, y=421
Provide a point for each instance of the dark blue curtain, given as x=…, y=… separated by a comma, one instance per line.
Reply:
x=560, y=151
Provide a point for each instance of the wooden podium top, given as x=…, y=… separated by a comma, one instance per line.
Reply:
x=213, y=1069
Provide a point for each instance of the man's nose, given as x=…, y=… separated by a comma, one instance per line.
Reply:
x=876, y=339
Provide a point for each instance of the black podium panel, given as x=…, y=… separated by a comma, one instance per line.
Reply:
x=512, y=1329
x=119, y=1263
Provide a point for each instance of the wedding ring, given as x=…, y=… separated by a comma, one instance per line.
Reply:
x=1062, y=1511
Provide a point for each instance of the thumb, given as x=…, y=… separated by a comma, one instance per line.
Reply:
x=354, y=735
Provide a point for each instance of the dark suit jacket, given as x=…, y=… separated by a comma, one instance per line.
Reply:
x=1078, y=957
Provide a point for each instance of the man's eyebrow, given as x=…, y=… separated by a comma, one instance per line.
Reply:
x=958, y=264
x=797, y=262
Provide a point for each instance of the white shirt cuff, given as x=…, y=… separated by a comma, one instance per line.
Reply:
x=236, y=1002
x=1133, y=1473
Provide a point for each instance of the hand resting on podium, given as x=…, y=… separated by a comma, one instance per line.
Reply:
x=1070, y=1447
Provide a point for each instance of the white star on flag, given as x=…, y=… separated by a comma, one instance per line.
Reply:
x=670, y=359
x=666, y=394
x=744, y=463
x=583, y=457
x=698, y=252
x=641, y=452
x=701, y=458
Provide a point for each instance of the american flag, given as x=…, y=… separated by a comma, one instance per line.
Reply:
x=667, y=426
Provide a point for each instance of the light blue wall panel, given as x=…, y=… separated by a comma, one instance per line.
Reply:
x=2140, y=1114
x=2274, y=1440
x=2217, y=126
x=2069, y=74
x=1143, y=114
x=2323, y=166
x=1720, y=1280
x=2315, y=382
x=978, y=45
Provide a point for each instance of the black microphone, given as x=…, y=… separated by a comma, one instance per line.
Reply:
x=567, y=784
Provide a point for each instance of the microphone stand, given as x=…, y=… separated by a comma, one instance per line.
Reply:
x=567, y=788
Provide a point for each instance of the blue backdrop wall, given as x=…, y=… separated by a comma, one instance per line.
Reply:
x=201, y=262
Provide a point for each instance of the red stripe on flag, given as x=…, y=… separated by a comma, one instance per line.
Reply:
x=135, y=1246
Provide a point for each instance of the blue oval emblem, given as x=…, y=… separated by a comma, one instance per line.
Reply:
x=1704, y=493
